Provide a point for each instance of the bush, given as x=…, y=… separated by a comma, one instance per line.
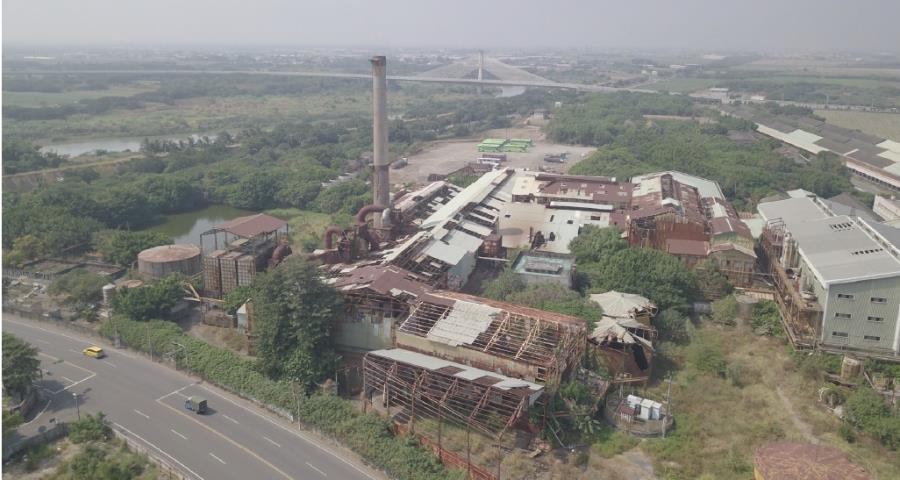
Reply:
x=149, y=301
x=82, y=286
x=766, y=319
x=725, y=311
x=705, y=354
x=672, y=325
x=867, y=411
x=611, y=442
x=91, y=428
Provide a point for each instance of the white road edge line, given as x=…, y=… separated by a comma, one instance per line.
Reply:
x=176, y=391
x=293, y=432
x=316, y=469
x=233, y=420
x=159, y=450
x=111, y=364
x=40, y=413
x=217, y=458
x=273, y=442
x=41, y=341
x=176, y=433
x=142, y=414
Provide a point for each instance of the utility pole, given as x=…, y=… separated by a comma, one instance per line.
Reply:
x=149, y=343
x=77, y=410
x=668, y=404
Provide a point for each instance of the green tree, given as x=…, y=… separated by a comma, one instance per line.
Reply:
x=149, y=301
x=233, y=300
x=554, y=297
x=25, y=249
x=80, y=285
x=507, y=283
x=711, y=281
x=122, y=247
x=91, y=428
x=294, y=314
x=652, y=273
x=867, y=411
x=21, y=367
x=672, y=325
x=595, y=244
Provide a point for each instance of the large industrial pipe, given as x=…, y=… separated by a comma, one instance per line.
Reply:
x=329, y=236
x=381, y=164
x=365, y=211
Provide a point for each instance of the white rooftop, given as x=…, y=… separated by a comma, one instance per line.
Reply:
x=466, y=372
x=835, y=247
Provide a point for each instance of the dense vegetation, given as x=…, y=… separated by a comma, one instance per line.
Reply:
x=21, y=156
x=293, y=318
x=552, y=297
x=21, y=366
x=122, y=247
x=80, y=287
x=149, y=301
x=632, y=146
x=606, y=262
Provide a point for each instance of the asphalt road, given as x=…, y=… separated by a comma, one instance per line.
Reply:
x=145, y=401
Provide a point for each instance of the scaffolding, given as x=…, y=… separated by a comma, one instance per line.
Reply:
x=801, y=316
x=547, y=344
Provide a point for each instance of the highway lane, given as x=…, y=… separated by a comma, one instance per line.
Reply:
x=145, y=400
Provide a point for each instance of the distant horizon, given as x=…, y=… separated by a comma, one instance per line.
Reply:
x=698, y=25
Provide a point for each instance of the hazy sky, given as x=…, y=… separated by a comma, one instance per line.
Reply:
x=698, y=24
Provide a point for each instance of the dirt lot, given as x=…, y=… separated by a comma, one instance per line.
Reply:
x=447, y=156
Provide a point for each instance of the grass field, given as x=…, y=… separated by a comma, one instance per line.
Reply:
x=40, y=99
x=205, y=114
x=885, y=125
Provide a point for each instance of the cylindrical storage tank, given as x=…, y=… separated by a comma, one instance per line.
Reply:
x=158, y=262
x=850, y=368
x=109, y=290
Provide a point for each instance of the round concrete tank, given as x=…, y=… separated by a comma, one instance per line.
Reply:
x=109, y=290
x=158, y=262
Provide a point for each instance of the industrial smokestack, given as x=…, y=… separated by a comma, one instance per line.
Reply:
x=480, y=69
x=380, y=135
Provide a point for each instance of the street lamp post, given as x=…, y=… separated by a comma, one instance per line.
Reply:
x=77, y=410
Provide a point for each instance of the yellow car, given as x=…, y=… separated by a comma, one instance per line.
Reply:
x=95, y=352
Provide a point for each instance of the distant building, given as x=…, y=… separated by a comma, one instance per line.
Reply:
x=837, y=276
x=888, y=209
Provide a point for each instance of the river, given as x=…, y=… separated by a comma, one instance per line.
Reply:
x=118, y=144
x=187, y=227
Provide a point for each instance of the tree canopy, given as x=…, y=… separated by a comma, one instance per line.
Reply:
x=149, y=301
x=122, y=247
x=605, y=262
x=294, y=314
x=80, y=285
x=21, y=367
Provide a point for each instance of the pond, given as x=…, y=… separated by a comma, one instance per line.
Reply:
x=187, y=227
x=118, y=144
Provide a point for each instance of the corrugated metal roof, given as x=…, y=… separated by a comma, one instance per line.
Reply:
x=464, y=371
x=463, y=323
x=252, y=225
x=449, y=254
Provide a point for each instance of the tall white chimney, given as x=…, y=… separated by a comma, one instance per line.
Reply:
x=380, y=179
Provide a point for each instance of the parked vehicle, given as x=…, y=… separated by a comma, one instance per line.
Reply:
x=196, y=405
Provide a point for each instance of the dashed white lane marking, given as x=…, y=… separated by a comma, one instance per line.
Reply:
x=176, y=392
x=142, y=414
x=158, y=450
x=217, y=458
x=311, y=441
x=229, y=418
x=67, y=379
x=176, y=433
x=273, y=442
x=74, y=351
x=111, y=364
x=316, y=469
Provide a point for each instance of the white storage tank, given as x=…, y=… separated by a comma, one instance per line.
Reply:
x=161, y=261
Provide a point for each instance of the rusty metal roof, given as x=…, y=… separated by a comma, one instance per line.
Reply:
x=252, y=225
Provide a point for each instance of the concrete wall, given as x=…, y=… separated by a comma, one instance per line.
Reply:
x=860, y=308
x=364, y=332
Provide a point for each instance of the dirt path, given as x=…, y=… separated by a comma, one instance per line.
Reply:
x=801, y=426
